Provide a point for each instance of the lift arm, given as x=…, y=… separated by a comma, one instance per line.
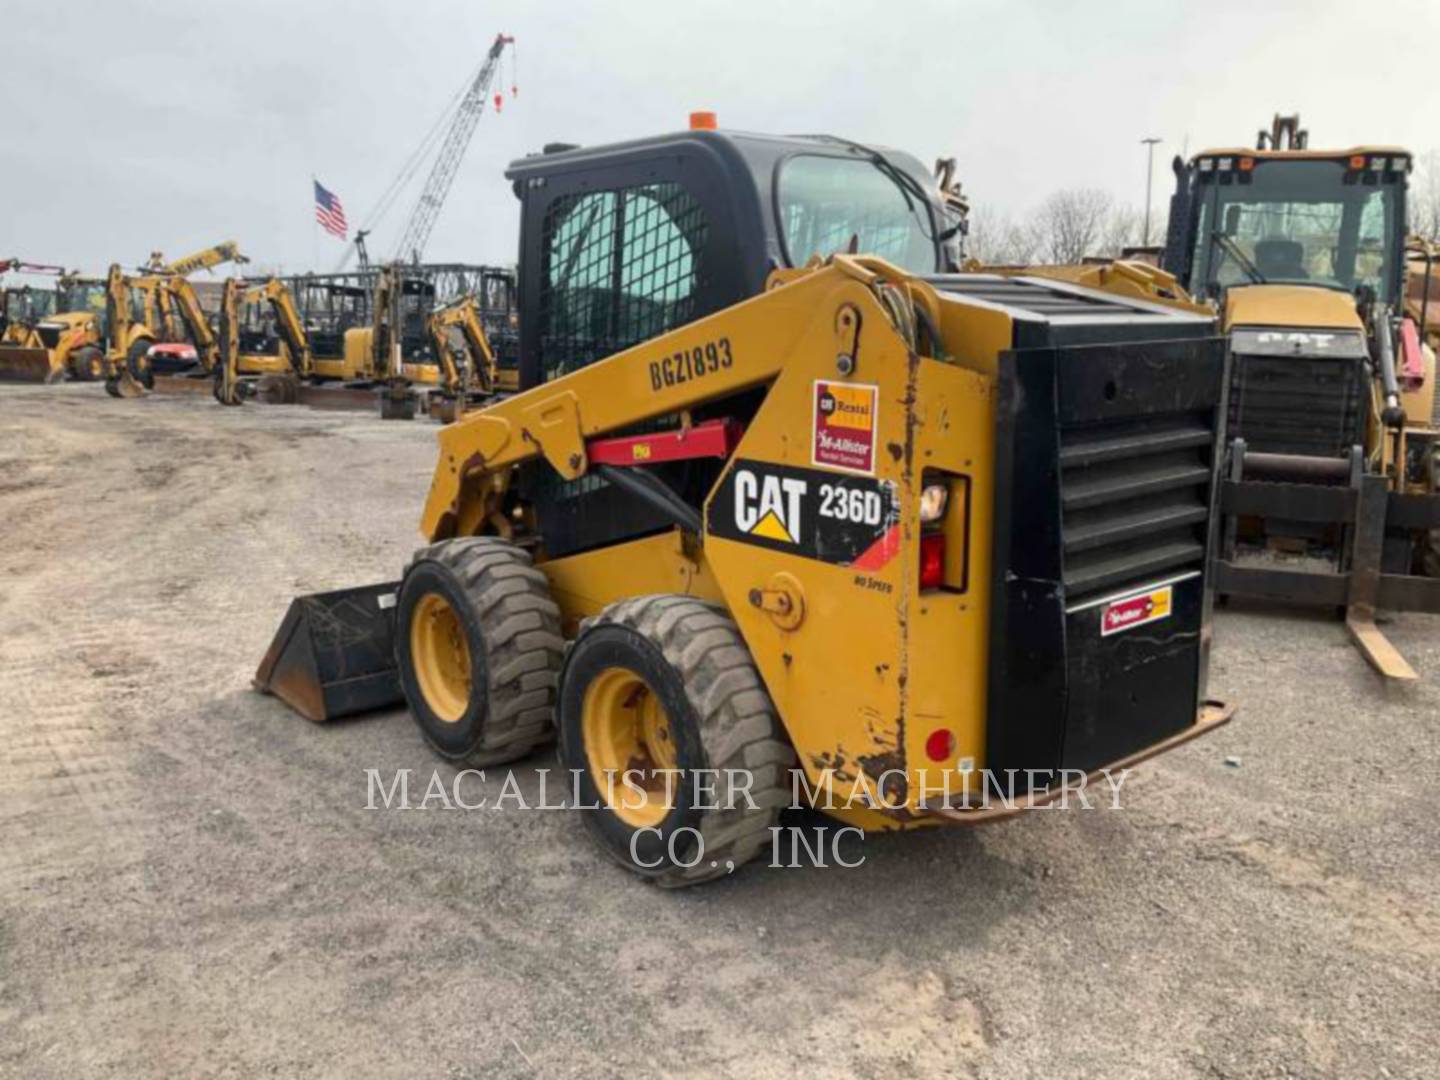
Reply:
x=742, y=347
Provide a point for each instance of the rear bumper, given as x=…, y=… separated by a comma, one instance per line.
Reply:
x=1211, y=715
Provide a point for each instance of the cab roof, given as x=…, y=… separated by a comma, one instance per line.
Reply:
x=761, y=152
x=1305, y=155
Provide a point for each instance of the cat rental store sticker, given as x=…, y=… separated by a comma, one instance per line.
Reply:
x=1133, y=611
x=845, y=425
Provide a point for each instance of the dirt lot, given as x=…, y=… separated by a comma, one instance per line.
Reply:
x=190, y=883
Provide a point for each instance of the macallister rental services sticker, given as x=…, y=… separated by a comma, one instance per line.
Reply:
x=845, y=425
x=1133, y=611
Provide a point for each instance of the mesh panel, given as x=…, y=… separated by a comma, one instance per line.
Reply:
x=620, y=267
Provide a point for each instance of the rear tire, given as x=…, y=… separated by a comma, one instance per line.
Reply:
x=715, y=721
x=479, y=649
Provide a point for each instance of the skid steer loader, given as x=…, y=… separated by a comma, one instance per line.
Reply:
x=761, y=513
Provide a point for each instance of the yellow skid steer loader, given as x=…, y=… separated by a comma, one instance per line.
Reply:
x=934, y=544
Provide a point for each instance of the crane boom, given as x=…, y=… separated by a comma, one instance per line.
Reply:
x=452, y=151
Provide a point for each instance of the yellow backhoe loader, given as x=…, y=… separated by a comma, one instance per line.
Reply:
x=136, y=310
x=1332, y=490
x=932, y=544
x=45, y=336
x=23, y=355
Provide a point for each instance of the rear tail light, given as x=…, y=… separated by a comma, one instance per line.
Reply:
x=940, y=746
x=932, y=560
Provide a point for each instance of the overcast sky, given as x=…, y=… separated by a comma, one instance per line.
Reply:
x=133, y=125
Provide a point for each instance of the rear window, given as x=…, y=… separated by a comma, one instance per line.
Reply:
x=826, y=201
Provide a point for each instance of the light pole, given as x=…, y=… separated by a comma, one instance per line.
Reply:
x=1149, y=178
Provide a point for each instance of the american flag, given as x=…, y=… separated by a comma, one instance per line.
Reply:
x=328, y=211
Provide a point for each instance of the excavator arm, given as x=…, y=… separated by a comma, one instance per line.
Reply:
x=290, y=326
x=123, y=376
x=181, y=293
x=227, y=371
x=462, y=315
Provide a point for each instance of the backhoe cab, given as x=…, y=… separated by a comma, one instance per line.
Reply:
x=936, y=543
x=1333, y=448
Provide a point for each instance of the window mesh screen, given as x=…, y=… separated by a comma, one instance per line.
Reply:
x=620, y=267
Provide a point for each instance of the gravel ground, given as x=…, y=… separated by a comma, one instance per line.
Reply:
x=191, y=884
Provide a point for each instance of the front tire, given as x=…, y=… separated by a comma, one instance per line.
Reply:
x=661, y=690
x=85, y=362
x=479, y=649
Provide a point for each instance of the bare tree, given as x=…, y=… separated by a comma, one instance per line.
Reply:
x=1124, y=227
x=1425, y=197
x=997, y=240
x=1072, y=224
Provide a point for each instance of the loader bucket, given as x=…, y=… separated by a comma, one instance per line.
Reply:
x=20, y=363
x=333, y=655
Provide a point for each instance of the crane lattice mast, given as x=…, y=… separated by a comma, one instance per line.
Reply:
x=452, y=151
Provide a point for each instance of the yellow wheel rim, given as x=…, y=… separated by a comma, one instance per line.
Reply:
x=441, y=655
x=630, y=747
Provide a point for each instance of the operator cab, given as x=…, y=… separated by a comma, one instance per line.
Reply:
x=624, y=242
x=1330, y=219
x=620, y=244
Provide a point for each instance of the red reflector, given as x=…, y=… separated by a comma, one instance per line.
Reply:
x=940, y=745
x=932, y=560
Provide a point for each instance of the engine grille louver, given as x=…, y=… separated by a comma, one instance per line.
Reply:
x=1292, y=405
x=1134, y=497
